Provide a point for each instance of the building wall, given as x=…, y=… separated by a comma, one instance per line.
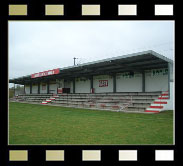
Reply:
x=129, y=83
x=82, y=85
x=156, y=80
x=68, y=84
x=27, y=89
x=35, y=89
x=60, y=83
x=71, y=87
x=101, y=79
x=43, y=89
x=53, y=88
x=170, y=102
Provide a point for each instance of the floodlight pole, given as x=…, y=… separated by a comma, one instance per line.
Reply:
x=75, y=60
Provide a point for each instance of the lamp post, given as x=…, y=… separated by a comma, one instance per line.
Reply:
x=75, y=60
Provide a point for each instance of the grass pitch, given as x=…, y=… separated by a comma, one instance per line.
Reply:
x=39, y=124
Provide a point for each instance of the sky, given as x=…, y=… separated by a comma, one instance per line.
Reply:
x=36, y=46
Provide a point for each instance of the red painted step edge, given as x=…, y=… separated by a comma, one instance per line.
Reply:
x=156, y=107
x=163, y=98
x=164, y=94
x=152, y=111
x=160, y=102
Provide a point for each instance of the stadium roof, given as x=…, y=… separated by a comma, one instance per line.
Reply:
x=127, y=63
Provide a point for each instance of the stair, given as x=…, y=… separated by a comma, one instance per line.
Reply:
x=158, y=105
x=50, y=99
x=142, y=102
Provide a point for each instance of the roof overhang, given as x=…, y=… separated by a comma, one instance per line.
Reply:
x=141, y=61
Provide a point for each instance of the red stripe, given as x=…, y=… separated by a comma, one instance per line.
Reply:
x=162, y=97
x=156, y=107
x=151, y=111
x=164, y=94
x=160, y=102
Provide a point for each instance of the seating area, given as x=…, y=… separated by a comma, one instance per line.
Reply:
x=124, y=101
x=32, y=98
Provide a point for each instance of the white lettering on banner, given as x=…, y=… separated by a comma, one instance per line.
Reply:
x=36, y=75
x=50, y=72
x=103, y=83
x=45, y=73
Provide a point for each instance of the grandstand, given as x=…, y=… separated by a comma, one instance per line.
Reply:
x=139, y=82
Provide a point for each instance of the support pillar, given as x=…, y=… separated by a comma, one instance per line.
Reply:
x=170, y=76
x=48, y=87
x=91, y=84
x=114, y=83
x=30, y=88
x=143, y=81
x=24, y=88
x=38, y=88
x=74, y=85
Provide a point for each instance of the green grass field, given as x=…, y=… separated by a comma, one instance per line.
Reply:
x=40, y=124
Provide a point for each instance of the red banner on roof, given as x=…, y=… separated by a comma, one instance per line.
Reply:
x=45, y=73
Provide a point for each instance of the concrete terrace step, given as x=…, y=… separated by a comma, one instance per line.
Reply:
x=141, y=102
x=135, y=109
x=163, y=98
x=112, y=100
x=98, y=94
x=156, y=107
x=132, y=106
x=157, y=104
x=103, y=95
x=152, y=111
x=44, y=102
x=96, y=105
x=84, y=99
x=146, y=103
x=48, y=100
x=111, y=93
x=160, y=102
x=37, y=97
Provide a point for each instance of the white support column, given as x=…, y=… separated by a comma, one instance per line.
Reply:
x=143, y=81
x=170, y=76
